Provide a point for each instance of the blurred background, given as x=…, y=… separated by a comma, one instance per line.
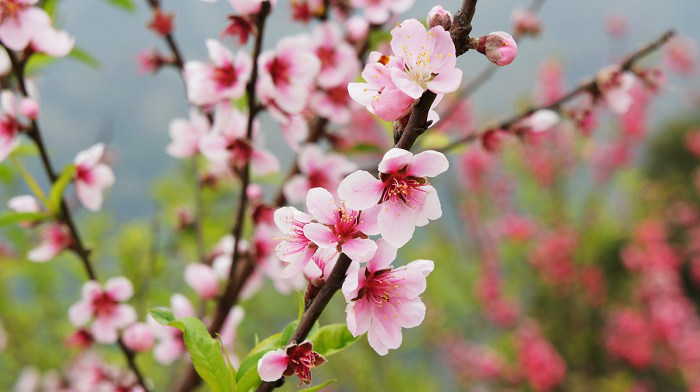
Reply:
x=569, y=261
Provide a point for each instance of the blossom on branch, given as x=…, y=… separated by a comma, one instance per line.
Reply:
x=92, y=176
x=104, y=307
x=296, y=359
x=383, y=299
x=406, y=197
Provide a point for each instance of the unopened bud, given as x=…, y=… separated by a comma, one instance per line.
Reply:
x=439, y=16
x=499, y=47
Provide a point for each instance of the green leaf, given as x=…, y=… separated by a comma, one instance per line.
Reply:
x=38, y=61
x=301, y=304
x=251, y=361
x=319, y=386
x=126, y=5
x=50, y=7
x=17, y=217
x=332, y=339
x=205, y=353
x=84, y=57
x=26, y=149
x=231, y=369
x=162, y=316
x=287, y=333
x=56, y=194
x=250, y=380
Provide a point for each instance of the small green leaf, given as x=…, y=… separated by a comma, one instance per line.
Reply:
x=319, y=386
x=56, y=194
x=50, y=7
x=300, y=296
x=17, y=217
x=205, y=353
x=26, y=149
x=38, y=61
x=250, y=380
x=287, y=333
x=332, y=339
x=126, y=5
x=251, y=361
x=231, y=369
x=84, y=57
x=162, y=316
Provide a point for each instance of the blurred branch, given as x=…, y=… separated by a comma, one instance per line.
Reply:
x=590, y=86
x=64, y=214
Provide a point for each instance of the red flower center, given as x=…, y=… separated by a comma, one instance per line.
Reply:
x=279, y=71
x=104, y=305
x=225, y=76
x=399, y=187
x=339, y=96
x=10, y=8
x=241, y=152
x=379, y=286
x=326, y=55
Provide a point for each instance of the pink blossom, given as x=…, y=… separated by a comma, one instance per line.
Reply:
x=9, y=123
x=634, y=120
x=428, y=59
x=55, y=238
x=616, y=25
x=615, y=87
x=692, y=141
x=321, y=265
x=186, y=135
x=105, y=308
x=550, y=82
x=248, y=7
x=333, y=103
x=629, y=337
x=296, y=359
x=20, y=22
x=681, y=55
x=356, y=28
x=227, y=143
x=525, y=22
x=316, y=169
x=540, y=362
x=295, y=127
x=52, y=42
x=295, y=248
x=203, y=280
x=338, y=59
x=239, y=26
x=287, y=74
x=380, y=95
x=228, y=333
x=170, y=346
x=150, y=61
x=222, y=79
x=92, y=177
x=383, y=299
x=269, y=265
x=24, y=203
x=337, y=227
x=407, y=198
x=499, y=47
x=379, y=11
x=540, y=121
x=438, y=16
x=138, y=337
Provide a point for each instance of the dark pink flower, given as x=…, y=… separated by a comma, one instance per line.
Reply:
x=296, y=359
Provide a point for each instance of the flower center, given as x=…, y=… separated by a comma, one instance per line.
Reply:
x=339, y=95
x=406, y=189
x=326, y=55
x=279, y=71
x=225, y=76
x=9, y=126
x=10, y=8
x=380, y=287
x=104, y=305
x=241, y=152
x=318, y=179
x=345, y=226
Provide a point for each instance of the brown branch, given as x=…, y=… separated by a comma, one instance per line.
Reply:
x=590, y=86
x=237, y=279
x=64, y=214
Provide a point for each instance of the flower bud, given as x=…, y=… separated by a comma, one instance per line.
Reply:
x=438, y=16
x=138, y=337
x=499, y=47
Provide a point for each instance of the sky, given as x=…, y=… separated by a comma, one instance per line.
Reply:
x=80, y=104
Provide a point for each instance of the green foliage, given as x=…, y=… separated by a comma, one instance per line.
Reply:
x=332, y=339
x=12, y=218
x=84, y=57
x=126, y=5
x=57, y=189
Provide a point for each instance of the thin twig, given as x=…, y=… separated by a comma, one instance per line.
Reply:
x=64, y=214
x=590, y=86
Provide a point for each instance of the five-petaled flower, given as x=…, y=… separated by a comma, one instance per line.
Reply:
x=382, y=299
x=406, y=197
x=105, y=308
x=296, y=358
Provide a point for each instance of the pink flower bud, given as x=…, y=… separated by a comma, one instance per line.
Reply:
x=438, y=16
x=356, y=28
x=138, y=337
x=29, y=108
x=499, y=47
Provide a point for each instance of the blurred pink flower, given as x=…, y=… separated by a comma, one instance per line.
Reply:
x=104, y=307
x=92, y=176
x=55, y=238
x=316, y=169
